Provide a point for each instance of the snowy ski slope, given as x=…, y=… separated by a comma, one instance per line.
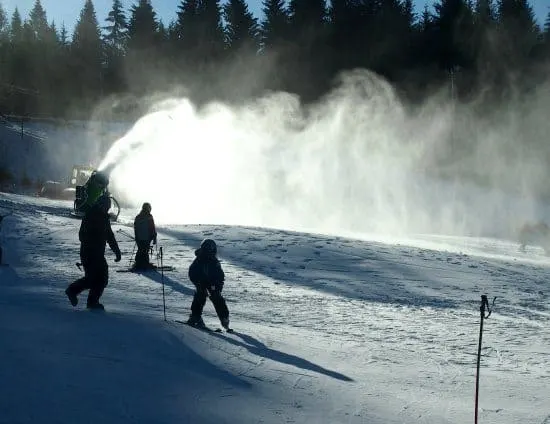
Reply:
x=328, y=329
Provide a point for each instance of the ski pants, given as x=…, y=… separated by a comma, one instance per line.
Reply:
x=199, y=300
x=142, y=254
x=96, y=278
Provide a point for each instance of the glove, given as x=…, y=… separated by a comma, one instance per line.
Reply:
x=118, y=257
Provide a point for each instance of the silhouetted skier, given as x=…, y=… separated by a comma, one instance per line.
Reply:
x=95, y=232
x=208, y=277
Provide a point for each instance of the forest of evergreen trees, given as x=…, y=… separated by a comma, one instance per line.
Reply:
x=218, y=49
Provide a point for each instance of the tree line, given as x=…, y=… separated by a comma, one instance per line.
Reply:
x=215, y=49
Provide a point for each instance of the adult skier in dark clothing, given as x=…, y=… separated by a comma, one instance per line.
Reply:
x=95, y=232
x=208, y=277
x=145, y=232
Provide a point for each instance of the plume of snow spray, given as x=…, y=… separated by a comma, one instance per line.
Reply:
x=356, y=161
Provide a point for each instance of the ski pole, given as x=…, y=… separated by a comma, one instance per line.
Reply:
x=162, y=280
x=484, y=305
x=124, y=233
x=157, y=255
x=131, y=256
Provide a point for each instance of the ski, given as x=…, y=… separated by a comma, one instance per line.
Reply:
x=141, y=271
x=165, y=268
x=206, y=328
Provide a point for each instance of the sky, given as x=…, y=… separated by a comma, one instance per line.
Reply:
x=67, y=11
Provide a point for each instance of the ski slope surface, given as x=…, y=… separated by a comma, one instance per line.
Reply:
x=328, y=329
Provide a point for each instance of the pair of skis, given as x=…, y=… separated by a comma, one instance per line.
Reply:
x=206, y=328
x=157, y=268
x=138, y=271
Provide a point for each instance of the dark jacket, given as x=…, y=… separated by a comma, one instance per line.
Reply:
x=95, y=232
x=144, y=227
x=206, y=271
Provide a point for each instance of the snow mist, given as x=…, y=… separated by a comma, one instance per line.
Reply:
x=358, y=161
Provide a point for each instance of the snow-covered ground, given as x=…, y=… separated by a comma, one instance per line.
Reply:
x=327, y=329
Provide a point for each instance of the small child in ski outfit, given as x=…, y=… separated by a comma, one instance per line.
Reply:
x=208, y=277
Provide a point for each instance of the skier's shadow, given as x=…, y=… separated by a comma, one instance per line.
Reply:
x=258, y=348
x=156, y=276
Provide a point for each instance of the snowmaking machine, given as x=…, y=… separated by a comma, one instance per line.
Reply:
x=87, y=193
x=66, y=190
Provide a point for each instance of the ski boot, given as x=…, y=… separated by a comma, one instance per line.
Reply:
x=72, y=297
x=225, y=324
x=194, y=321
x=95, y=306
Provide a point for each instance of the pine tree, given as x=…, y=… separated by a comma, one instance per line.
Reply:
x=453, y=26
x=388, y=28
x=143, y=26
x=16, y=26
x=116, y=30
x=212, y=37
x=115, y=39
x=87, y=53
x=19, y=70
x=187, y=26
x=275, y=25
x=4, y=31
x=546, y=36
x=309, y=50
x=241, y=26
x=307, y=17
x=484, y=12
x=87, y=34
x=484, y=29
x=425, y=42
x=4, y=51
x=518, y=29
x=345, y=27
x=38, y=21
x=63, y=36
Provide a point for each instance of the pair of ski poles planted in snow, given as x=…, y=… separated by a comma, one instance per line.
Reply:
x=160, y=260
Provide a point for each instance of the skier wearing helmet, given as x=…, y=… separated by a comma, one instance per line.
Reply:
x=145, y=233
x=95, y=231
x=208, y=277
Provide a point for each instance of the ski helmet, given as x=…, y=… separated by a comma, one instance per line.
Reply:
x=208, y=247
x=100, y=178
x=146, y=207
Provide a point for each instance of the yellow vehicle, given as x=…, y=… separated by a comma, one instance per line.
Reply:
x=82, y=189
x=66, y=191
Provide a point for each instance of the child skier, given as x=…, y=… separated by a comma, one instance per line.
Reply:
x=208, y=277
x=145, y=233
